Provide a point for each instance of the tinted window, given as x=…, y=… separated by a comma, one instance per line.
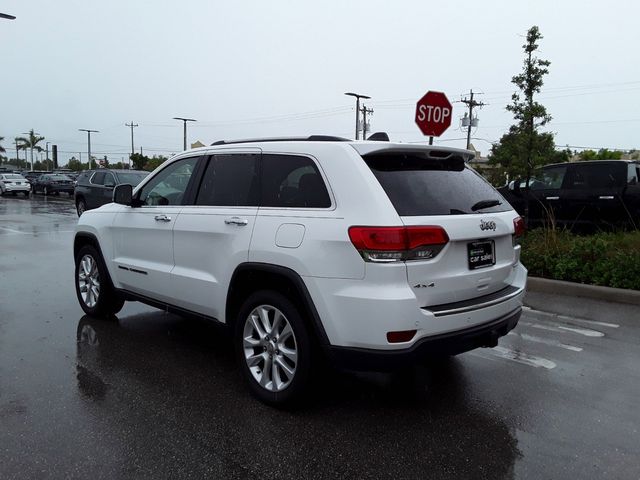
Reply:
x=549, y=178
x=632, y=176
x=419, y=185
x=230, y=180
x=98, y=178
x=292, y=181
x=132, y=178
x=169, y=185
x=598, y=175
x=109, y=179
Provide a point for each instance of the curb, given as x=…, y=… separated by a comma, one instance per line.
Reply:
x=608, y=294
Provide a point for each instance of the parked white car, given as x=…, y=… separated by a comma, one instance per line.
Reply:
x=14, y=183
x=373, y=254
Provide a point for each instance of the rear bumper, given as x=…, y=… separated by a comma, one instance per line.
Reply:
x=451, y=343
x=17, y=188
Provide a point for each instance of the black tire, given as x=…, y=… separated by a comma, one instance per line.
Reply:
x=26, y=194
x=297, y=384
x=107, y=301
x=81, y=206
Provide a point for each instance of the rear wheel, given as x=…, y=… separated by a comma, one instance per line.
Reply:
x=81, y=206
x=273, y=347
x=94, y=289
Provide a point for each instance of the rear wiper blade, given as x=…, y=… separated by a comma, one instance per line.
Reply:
x=485, y=204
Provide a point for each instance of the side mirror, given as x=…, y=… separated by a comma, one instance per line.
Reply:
x=123, y=194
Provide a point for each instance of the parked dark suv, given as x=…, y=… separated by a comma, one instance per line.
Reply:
x=95, y=187
x=584, y=196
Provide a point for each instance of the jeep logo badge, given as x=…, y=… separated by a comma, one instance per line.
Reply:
x=490, y=225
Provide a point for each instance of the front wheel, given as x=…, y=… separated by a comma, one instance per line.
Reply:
x=94, y=290
x=273, y=347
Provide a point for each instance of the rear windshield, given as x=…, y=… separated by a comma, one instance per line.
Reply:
x=11, y=176
x=418, y=185
x=132, y=178
x=59, y=177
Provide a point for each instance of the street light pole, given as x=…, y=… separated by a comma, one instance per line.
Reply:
x=47, y=150
x=89, y=132
x=358, y=97
x=184, y=121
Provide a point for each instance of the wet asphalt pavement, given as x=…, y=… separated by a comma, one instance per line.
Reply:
x=157, y=396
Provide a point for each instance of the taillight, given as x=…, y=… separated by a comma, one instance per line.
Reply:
x=518, y=229
x=394, y=244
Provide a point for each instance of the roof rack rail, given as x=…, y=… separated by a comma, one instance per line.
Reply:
x=311, y=138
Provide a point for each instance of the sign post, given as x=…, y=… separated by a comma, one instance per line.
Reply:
x=433, y=114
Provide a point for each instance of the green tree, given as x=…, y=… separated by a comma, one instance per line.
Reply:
x=2, y=150
x=30, y=142
x=523, y=147
x=154, y=162
x=75, y=164
x=139, y=161
x=602, y=154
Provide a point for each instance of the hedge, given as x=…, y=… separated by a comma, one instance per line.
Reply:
x=607, y=259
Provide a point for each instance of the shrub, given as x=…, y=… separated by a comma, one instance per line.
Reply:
x=607, y=259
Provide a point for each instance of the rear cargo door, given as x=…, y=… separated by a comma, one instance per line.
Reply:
x=437, y=188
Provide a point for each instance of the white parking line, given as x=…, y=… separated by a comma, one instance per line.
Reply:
x=567, y=318
x=11, y=230
x=546, y=341
x=518, y=357
x=560, y=328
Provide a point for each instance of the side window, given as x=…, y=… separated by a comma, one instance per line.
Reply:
x=98, y=178
x=170, y=184
x=230, y=180
x=632, y=175
x=549, y=178
x=109, y=180
x=292, y=181
x=602, y=175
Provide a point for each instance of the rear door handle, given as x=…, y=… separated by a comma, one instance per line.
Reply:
x=553, y=198
x=162, y=218
x=241, y=222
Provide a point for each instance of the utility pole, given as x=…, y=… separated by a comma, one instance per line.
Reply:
x=89, y=132
x=471, y=103
x=184, y=121
x=132, y=125
x=365, y=111
x=358, y=97
x=47, y=157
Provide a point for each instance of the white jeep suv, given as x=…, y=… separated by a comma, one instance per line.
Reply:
x=371, y=254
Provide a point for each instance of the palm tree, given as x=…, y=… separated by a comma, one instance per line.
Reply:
x=2, y=150
x=30, y=142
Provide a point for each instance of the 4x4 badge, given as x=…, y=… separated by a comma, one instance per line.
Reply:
x=490, y=225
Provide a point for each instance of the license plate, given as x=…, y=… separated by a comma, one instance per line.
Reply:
x=481, y=254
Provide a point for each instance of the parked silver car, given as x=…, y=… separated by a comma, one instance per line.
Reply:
x=14, y=183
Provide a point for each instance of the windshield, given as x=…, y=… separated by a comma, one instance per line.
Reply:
x=418, y=185
x=132, y=178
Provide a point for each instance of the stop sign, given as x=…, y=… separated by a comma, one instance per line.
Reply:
x=433, y=114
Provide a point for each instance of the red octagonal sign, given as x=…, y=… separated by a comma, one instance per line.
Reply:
x=433, y=114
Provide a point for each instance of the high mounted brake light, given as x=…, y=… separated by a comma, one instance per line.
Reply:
x=395, y=244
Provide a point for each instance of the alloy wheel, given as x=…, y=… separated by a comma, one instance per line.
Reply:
x=270, y=348
x=89, y=281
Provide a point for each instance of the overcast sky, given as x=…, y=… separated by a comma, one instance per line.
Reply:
x=275, y=67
